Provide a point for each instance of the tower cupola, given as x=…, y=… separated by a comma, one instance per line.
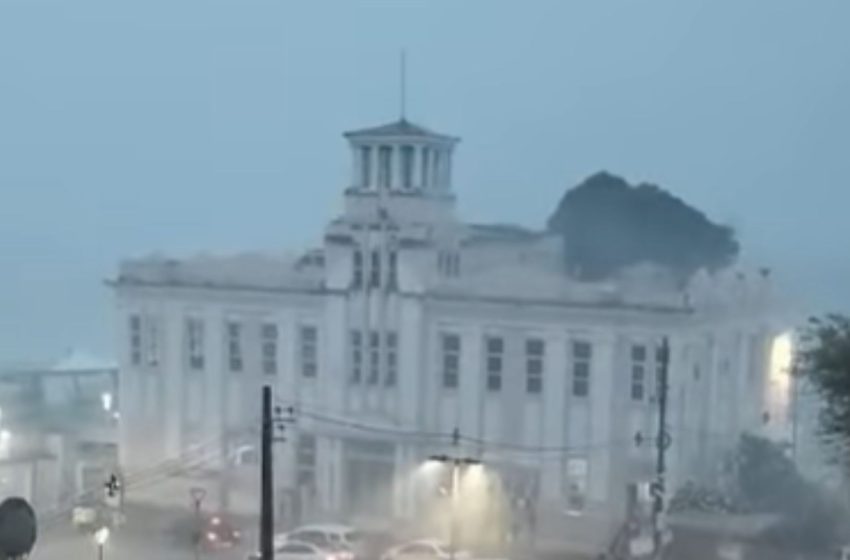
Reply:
x=401, y=157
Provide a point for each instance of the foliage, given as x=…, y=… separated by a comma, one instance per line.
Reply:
x=608, y=225
x=825, y=361
x=815, y=525
x=693, y=497
x=765, y=479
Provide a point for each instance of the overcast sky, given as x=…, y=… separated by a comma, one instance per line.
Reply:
x=186, y=125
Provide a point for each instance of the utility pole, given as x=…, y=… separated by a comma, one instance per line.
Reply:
x=662, y=442
x=266, y=479
x=455, y=487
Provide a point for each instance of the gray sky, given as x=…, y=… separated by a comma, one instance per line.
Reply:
x=178, y=126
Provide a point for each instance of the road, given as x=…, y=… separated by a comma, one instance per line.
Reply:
x=146, y=535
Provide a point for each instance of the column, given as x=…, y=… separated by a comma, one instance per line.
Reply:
x=425, y=167
x=677, y=376
x=416, y=171
x=447, y=182
x=356, y=167
x=396, y=170
x=171, y=376
x=436, y=159
x=375, y=157
x=601, y=413
x=334, y=378
x=411, y=363
x=214, y=410
x=471, y=387
x=554, y=412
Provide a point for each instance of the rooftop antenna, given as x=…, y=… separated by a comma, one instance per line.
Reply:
x=403, y=85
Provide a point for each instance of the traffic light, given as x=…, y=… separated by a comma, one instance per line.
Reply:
x=112, y=486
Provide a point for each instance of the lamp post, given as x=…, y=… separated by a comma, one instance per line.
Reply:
x=456, y=463
x=100, y=538
x=197, y=494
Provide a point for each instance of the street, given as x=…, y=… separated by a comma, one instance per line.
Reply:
x=147, y=534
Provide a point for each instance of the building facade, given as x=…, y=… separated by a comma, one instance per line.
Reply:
x=58, y=432
x=409, y=325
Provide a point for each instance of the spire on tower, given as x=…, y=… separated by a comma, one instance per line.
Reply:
x=403, y=86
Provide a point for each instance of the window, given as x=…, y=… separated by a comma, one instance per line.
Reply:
x=576, y=484
x=385, y=166
x=495, y=351
x=366, y=166
x=407, y=167
x=234, y=346
x=374, y=357
x=195, y=343
x=356, y=340
x=152, y=347
x=309, y=341
x=393, y=273
x=268, y=343
x=582, y=354
x=426, y=167
x=534, y=354
x=357, y=266
x=392, y=359
x=135, y=340
x=375, y=270
x=451, y=360
x=638, y=386
x=305, y=459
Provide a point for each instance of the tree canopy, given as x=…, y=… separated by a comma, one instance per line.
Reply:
x=825, y=361
x=761, y=478
x=608, y=224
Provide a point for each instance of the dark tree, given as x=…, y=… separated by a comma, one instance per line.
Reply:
x=767, y=480
x=825, y=362
x=608, y=224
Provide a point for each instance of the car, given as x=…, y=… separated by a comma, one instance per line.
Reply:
x=295, y=550
x=217, y=534
x=342, y=540
x=426, y=549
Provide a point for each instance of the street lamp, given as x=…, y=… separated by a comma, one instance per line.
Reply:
x=456, y=464
x=100, y=538
x=198, y=494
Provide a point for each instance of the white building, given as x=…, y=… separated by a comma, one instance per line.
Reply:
x=408, y=323
x=58, y=431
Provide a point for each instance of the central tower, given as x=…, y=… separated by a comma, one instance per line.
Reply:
x=403, y=169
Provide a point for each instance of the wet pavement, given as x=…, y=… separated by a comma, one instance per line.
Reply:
x=147, y=535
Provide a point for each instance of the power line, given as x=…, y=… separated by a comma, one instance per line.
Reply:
x=484, y=443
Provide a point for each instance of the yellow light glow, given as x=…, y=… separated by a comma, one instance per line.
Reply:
x=780, y=382
x=781, y=359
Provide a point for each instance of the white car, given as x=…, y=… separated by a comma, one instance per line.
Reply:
x=342, y=539
x=294, y=550
x=428, y=549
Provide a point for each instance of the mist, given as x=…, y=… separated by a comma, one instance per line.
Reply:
x=214, y=126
